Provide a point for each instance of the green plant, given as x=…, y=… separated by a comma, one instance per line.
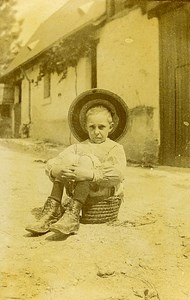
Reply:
x=66, y=53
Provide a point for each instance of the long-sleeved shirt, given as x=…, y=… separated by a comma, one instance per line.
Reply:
x=108, y=159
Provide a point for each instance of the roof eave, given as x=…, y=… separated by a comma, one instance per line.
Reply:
x=94, y=23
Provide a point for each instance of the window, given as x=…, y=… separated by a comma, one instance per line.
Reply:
x=94, y=65
x=47, y=85
x=18, y=91
x=5, y=111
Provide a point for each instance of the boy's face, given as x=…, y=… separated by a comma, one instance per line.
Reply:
x=98, y=127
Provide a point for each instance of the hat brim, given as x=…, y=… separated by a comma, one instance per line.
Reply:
x=94, y=97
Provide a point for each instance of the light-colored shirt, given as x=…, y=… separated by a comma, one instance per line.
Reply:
x=108, y=159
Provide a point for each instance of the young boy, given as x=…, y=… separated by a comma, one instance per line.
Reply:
x=92, y=168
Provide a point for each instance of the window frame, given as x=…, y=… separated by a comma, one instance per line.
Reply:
x=47, y=88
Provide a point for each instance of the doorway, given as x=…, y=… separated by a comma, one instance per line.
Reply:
x=174, y=30
x=17, y=109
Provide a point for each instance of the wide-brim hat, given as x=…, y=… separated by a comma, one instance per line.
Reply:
x=92, y=98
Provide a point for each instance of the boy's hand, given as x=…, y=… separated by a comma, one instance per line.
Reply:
x=62, y=172
x=74, y=172
x=112, y=174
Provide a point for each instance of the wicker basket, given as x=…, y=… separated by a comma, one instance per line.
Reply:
x=98, y=210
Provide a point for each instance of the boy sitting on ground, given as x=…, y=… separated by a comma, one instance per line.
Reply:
x=92, y=168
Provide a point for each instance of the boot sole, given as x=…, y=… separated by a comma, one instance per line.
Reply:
x=63, y=232
x=36, y=232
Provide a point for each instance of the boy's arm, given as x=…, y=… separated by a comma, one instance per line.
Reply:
x=54, y=165
x=112, y=171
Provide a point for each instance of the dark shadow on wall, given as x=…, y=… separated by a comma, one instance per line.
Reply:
x=141, y=141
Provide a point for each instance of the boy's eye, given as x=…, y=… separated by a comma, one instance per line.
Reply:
x=93, y=127
x=101, y=127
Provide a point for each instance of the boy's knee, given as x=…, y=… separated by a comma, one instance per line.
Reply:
x=86, y=161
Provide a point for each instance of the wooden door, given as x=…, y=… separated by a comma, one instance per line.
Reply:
x=174, y=29
x=182, y=113
x=17, y=120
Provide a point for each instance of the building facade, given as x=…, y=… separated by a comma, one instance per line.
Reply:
x=140, y=52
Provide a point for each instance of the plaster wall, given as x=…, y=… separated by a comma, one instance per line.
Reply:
x=128, y=64
x=49, y=115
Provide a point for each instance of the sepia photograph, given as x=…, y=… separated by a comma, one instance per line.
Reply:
x=95, y=149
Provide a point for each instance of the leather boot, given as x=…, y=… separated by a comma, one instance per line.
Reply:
x=70, y=221
x=51, y=213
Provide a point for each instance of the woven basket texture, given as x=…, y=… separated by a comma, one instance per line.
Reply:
x=97, y=210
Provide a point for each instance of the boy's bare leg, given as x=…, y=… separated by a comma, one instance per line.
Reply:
x=52, y=210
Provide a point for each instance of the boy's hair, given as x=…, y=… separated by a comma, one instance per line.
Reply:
x=98, y=109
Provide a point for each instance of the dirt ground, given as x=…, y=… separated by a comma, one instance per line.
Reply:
x=144, y=255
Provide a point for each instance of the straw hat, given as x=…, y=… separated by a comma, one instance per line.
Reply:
x=94, y=97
